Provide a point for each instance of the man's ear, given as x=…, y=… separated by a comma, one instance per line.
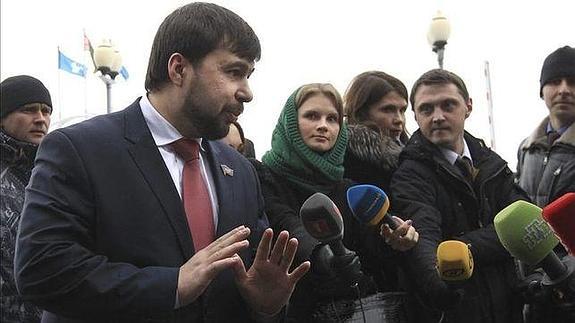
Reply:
x=177, y=64
x=469, y=107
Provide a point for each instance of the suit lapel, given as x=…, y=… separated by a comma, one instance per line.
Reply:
x=147, y=157
x=220, y=167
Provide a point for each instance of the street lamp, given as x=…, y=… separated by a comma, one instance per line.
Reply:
x=438, y=34
x=108, y=61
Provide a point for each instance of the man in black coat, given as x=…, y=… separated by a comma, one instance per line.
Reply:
x=25, y=113
x=447, y=201
x=108, y=233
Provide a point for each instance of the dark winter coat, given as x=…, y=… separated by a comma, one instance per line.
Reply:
x=547, y=172
x=443, y=206
x=370, y=157
x=17, y=160
x=282, y=203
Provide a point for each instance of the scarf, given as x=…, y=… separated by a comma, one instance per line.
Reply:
x=292, y=159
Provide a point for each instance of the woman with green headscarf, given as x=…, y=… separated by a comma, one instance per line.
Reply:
x=308, y=147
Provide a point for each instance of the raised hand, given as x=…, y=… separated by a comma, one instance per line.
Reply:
x=198, y=272
x=403, y=238
x=268, y=284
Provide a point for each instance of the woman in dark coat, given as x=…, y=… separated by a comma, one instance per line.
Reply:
x=375, y=105
x=308, y=146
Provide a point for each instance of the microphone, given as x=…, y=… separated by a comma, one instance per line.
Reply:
x=523, y=232
x=454, y=261
x=369, y=205
x=560, y=214
x=322, y=220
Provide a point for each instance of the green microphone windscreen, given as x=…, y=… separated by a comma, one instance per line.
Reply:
x=523, y=232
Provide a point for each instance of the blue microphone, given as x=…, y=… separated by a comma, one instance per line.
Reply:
x=369, y=205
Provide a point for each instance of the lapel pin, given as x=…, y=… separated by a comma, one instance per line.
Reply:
x=227, y=170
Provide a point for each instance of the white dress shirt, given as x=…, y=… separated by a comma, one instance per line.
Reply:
x=451, y=156
x=164, y=134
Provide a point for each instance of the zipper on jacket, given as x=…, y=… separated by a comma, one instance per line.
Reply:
x=556, y=174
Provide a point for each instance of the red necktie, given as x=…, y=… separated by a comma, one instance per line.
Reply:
x=195, y=194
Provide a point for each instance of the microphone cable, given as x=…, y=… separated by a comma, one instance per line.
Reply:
x=335, y=310
x=358, y=292
x=442, y=317
x=356, y=287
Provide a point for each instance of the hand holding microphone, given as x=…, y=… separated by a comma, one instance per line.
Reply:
x=454, y=265
x=523, y=232
x=322, y=220
x=369, y=205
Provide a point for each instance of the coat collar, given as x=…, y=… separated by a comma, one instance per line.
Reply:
x=539, y=136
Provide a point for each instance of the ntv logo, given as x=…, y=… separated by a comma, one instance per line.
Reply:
x=535, y=233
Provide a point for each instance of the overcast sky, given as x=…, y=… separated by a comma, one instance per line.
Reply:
x=307, y=41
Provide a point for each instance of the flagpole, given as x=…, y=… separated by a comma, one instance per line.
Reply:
x=60, y=105
x=490, y=104
x=85, y=78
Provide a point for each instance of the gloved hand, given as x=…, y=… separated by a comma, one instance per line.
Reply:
x=531, y=289
x=334, y=275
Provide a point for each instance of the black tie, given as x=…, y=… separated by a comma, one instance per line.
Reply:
x=465, y=166
x=552, y=136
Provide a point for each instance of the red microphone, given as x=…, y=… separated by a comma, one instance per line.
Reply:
x=561, y=217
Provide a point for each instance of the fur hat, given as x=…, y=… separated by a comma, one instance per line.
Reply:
x=560, y=63
x=17, y=91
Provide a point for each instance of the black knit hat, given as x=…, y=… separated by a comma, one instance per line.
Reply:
x=17, y=91
x=560, y=63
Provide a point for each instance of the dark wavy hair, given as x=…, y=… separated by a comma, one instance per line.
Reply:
x=366, y=89
x=195, y=30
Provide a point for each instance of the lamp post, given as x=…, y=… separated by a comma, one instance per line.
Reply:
x=108, y=61
x=438, y=34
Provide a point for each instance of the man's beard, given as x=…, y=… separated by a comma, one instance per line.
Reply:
x=197, y=110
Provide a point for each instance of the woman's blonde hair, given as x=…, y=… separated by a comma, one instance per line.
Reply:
x=326, y=89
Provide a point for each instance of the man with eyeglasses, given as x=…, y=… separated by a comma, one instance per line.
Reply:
x=25, y=117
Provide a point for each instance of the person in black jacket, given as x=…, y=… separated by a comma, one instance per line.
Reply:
x=446, y=201
x=308, y=145
x=25, y=117
x=375, y=105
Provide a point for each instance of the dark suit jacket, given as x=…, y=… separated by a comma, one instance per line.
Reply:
x=104, y=232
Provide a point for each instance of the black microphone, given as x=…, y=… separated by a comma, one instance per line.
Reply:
x=322, y=220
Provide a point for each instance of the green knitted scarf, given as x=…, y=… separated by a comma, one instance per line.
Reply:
x=291, y=158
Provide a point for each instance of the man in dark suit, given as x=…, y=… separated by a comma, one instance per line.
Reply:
x=121, y=225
